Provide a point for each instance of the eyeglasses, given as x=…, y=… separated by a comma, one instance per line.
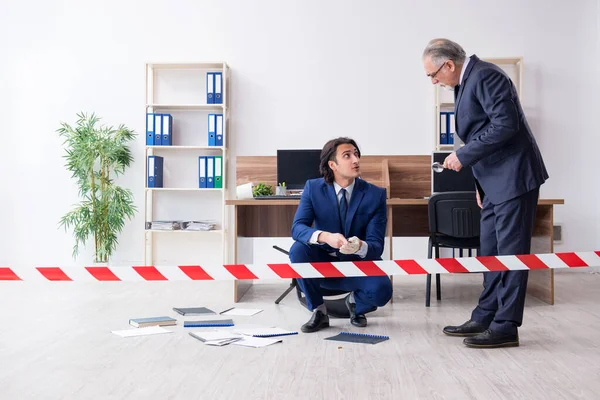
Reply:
x=436, y=72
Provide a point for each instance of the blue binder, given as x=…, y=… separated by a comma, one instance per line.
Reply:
x=451, y=128
x=210, y=172
x=210, y=88
x=167, y=129
x=219, y=132
x=157, y=129
x=443, y=127
x=149, y=129
x=202, y=172
x=155, y=172
x=212, y=130
x=218, y=88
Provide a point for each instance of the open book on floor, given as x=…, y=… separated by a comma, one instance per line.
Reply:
x=216, y=338
x=222, y=338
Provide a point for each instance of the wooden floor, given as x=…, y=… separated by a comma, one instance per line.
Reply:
x=56, y=343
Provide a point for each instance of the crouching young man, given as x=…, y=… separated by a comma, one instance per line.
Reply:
x=350, y=217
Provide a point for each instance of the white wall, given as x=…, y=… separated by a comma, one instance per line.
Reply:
x=303, y=71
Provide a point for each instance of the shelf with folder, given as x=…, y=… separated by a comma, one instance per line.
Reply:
x=444, y=103
x=206, y=107
x=182, y=231
x=187, y=66
x=178, y=147
x=163, y=189
x=195, y=97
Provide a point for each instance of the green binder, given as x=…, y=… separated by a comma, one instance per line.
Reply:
x=218, y=171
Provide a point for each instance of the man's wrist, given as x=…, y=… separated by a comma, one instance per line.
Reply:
x=322, y=238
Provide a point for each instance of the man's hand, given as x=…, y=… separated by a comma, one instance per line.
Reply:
x=478, y=199
x=452, y=162
x=352, y=246
x=335, y=240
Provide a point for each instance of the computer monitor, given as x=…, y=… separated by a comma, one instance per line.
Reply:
x=295, y=167
x=448, y=180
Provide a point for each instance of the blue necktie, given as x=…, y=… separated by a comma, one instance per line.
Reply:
x=343, y=208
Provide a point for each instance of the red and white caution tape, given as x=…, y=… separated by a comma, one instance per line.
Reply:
x=306, y=270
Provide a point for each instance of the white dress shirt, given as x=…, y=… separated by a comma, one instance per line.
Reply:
x=464, y=68
x=364, y=247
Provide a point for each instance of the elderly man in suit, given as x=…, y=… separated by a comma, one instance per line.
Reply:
x=349, y=217
x=509, y=171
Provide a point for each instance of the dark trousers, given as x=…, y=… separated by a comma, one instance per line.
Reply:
x=370, y=292
x=506, y=229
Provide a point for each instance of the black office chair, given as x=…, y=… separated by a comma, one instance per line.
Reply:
x=454, y=219
x=335, y=307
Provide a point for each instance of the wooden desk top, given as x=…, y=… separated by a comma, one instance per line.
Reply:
x=414, y=202
x=390, y=202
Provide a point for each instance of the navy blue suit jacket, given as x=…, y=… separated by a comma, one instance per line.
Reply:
x=366, y=218
x=499, y=145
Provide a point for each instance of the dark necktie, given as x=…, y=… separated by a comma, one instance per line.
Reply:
x=456, y=89
x=343, y=207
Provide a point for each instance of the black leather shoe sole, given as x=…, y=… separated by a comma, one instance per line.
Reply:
x=461, y=334
x=307, y=329
x=361, y=323
x=493, y=345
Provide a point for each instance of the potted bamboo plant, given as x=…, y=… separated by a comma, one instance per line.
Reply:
x=96, y=155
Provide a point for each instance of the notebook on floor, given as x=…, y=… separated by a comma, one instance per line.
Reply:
x=152, y=321
x=358, y=337
x=250, y=341
x=266, y=332
x=216, y=338
x=193, y=310
x=244, y=312
x=208, y=323
x=150, y=330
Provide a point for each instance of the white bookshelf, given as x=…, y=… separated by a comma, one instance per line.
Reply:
x=180, y=189
x=184, y=97
x=203, y=107
x=444, y=100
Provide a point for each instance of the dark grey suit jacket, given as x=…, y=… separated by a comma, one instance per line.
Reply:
x=499, y=145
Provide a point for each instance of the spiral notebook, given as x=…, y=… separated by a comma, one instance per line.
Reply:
x=358, y=337
x=266, y=332
x=208, y=323
x=193, y=310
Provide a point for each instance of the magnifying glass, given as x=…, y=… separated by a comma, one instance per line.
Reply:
x=437, y=167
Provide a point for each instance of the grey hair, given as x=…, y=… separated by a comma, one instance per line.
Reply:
x=441, y=50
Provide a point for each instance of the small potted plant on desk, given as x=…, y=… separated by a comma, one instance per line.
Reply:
x=262, y=189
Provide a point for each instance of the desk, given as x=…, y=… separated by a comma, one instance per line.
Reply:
x=407, y=180
x=406, y=218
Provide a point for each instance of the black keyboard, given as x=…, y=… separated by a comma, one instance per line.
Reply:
x=279, y=197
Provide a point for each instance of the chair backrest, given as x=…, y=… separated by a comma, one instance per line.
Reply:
x=454, y=214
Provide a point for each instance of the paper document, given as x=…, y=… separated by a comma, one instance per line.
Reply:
x=245, y=312
x=266, y=332
x=216, y=338
x=249, y=341
x=150, y=330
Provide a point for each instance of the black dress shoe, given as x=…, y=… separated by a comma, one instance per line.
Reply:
x=469, y=328
x=490, y=339
x=317, y=321
x=357, y=320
